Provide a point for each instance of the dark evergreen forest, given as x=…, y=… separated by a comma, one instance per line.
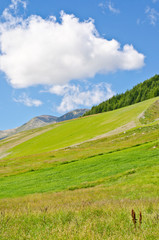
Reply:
x=143, y=91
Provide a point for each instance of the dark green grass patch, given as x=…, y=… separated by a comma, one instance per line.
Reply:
x=107, y=167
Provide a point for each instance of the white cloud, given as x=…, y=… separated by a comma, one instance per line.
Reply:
x=10, y=15
x=152, y=15
x=27, y=101
x=110, y=6
x=64, y=89
x=14, y=4
x=43, y=51
x=75, y=97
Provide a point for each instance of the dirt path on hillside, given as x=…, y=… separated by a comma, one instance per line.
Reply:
x=116, y=131
x=110, y=133
x=121, y=129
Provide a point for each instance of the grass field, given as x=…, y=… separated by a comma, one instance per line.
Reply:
x=107, y=169
x=86, y=191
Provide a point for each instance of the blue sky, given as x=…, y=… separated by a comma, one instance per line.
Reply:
x=56, y=56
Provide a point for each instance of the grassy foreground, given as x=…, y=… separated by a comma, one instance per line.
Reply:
x=85, y=214
x=87, y=191
x=98, y=193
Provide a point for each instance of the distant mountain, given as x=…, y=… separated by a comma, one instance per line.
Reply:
x=6, y=133
x=41, y=121
x=143, y=91
x=73, y=114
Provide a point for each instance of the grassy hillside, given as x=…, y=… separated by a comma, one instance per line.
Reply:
x=72, y=132
x=86, y=191
x=143, y=91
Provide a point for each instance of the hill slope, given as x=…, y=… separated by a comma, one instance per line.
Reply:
x=41, y=121
x=143, y=91
x=85, y=191
x=121, y=159
x=64, y=134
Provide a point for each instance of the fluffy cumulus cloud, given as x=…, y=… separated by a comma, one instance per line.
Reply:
x=49, y=52
x=74, y=96
x=27, y=101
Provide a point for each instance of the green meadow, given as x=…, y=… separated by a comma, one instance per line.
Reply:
x=53, y=189
x=121, y=167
